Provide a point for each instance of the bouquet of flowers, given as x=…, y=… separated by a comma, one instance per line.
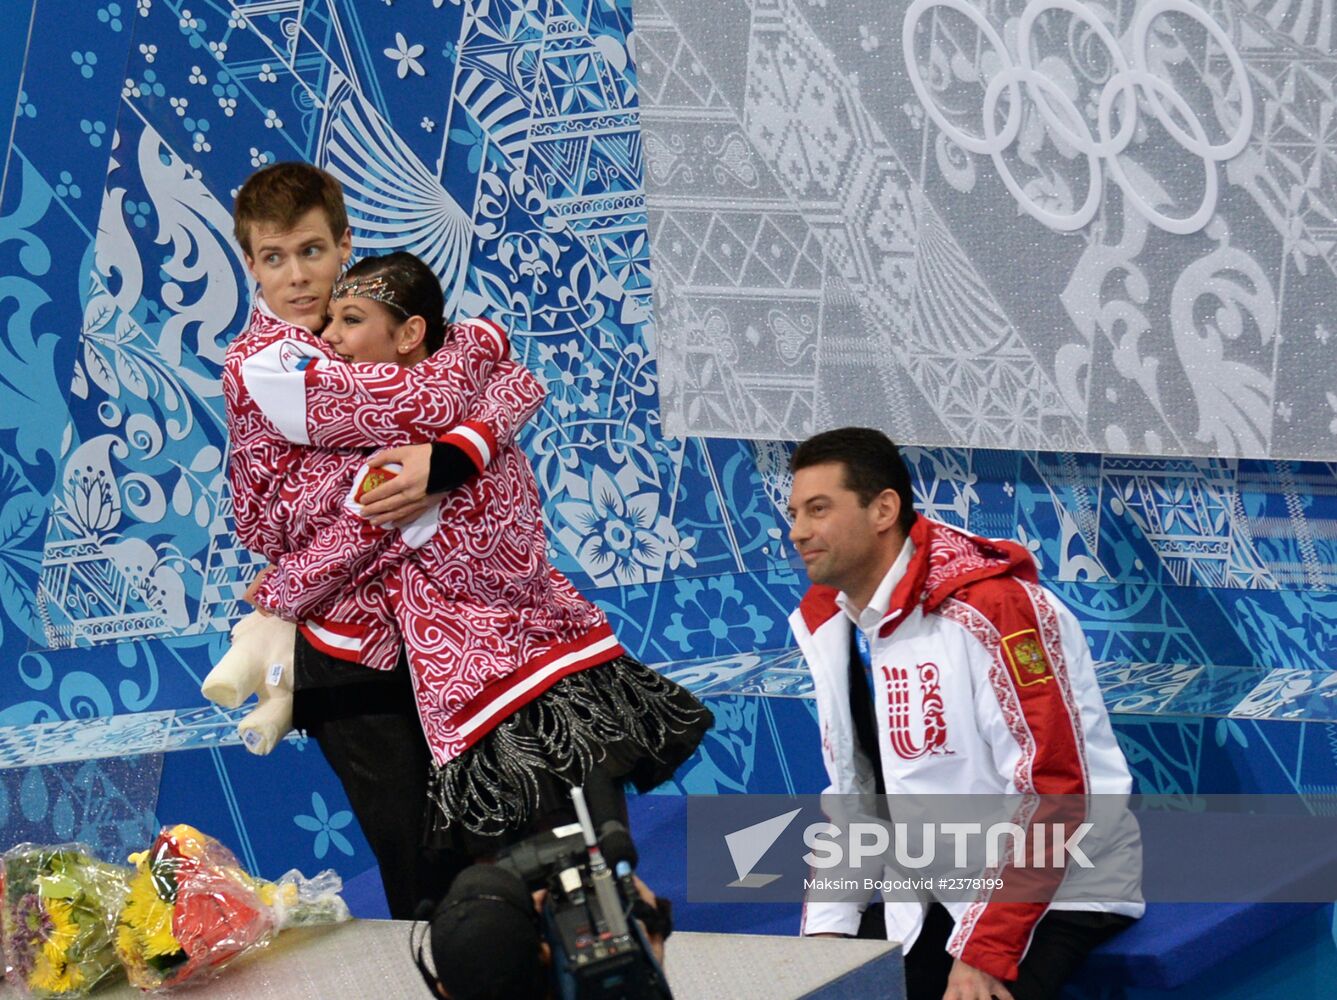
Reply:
x=192, y=909
x=59, y=913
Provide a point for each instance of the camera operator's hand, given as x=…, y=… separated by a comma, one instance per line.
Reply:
x=651, y=900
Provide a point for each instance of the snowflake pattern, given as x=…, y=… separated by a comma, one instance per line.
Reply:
x=326, y=827
x=110, y=15
x=572, y=382
x=616, y=527
x=405, y=57
x=712, y=610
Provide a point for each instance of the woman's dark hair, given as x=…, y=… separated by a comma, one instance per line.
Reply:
x=872, y=464
x=414, y=288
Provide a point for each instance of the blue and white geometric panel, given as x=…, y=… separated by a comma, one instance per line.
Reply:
x=108, y=804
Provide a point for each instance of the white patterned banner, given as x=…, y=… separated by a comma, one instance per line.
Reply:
x=1106, y=226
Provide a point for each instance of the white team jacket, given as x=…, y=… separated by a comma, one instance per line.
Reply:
x=983, y=684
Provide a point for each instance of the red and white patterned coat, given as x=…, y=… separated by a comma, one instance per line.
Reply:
x=284, y=494
x=959, y=713
x=487, y=622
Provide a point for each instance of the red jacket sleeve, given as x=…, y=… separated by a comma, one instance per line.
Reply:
x=507, y=402
x=312, y=400
x=341, y=557
x=352, y=550
x=1036, y=731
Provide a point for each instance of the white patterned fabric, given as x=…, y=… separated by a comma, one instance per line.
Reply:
x=1078, y=224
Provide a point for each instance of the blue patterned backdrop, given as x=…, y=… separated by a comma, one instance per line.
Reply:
x=503, y=138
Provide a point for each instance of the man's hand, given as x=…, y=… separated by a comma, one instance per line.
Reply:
x=405, y=496
x=969, y=983
x=249, y=596
x=656, y=940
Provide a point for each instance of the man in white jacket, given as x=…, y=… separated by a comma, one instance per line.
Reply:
x=942, y=667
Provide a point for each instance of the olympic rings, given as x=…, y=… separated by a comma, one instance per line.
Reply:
x=1132, y=80
x=1094, y=188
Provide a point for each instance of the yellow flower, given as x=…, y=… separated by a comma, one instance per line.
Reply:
x=64, y=931
x=57, y=977
x=149, y=920
x=272, y=894
x=189, y=841
x=128, y=948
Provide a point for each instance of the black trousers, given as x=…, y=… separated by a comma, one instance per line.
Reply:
x=1061, y=942
x=366, y=724
x=368, y=730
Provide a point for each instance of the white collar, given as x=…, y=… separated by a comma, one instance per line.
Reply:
x=876, y=610
x=263, y=306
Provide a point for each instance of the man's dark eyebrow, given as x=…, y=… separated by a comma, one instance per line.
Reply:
x=269, y=247
x=810, y=500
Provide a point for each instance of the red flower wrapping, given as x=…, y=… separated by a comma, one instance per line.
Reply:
x=215, y=918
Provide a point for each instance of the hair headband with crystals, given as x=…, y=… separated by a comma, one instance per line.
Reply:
x=374, y=287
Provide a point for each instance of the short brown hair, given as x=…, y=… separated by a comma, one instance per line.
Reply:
x=282, y=193
x=872, y=464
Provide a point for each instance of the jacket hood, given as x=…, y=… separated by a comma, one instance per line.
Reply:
x=947, y=559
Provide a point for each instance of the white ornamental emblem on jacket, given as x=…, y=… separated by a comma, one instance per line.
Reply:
x=932, y=738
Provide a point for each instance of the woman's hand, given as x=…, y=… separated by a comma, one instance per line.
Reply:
x=404, y=497
x=249, y=596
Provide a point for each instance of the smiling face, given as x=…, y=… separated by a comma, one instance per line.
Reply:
x=367, y=330
x=296, y=268
x=844, y=543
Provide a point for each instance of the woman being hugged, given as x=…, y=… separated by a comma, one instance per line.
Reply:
x=519, y=686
